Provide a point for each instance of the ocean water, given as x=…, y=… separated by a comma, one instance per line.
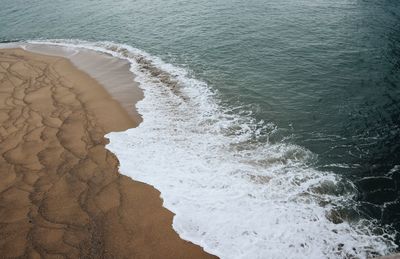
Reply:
x=271, y=128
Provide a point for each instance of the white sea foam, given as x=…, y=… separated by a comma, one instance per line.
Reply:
x=234, y=196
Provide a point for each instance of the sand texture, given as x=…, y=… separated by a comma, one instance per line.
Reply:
x=61, y=195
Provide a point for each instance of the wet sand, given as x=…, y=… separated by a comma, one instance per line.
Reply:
x=61, y=195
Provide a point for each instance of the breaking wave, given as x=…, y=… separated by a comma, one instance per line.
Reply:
x=233, y=192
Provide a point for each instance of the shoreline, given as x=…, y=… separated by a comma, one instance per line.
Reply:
x=62, y=193
x=161, y=153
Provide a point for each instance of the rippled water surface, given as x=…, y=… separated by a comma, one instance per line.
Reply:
x=322, y=74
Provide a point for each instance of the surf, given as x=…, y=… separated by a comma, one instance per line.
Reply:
x=232, y=193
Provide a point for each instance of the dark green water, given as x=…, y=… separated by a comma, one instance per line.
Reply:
x=325, y=72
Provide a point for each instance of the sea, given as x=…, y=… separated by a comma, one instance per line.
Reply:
x=270, y=127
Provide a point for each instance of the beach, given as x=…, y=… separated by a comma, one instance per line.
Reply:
x=251, y=129
x=61, y=194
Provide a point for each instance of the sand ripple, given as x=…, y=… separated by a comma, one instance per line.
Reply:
x=60, y=192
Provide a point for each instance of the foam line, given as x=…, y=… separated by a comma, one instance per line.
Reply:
x=233, y=195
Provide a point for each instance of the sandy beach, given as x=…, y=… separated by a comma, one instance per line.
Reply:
x=61, y=194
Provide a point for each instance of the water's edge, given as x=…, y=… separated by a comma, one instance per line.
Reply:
x=231, y=195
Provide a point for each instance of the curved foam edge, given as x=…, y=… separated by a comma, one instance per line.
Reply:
x=234, y=196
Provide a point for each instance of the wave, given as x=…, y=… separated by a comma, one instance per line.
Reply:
x=232, y=194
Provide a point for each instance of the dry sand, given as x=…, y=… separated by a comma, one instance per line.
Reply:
x=61, y=195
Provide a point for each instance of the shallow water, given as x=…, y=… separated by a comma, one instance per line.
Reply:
x=316, y=83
